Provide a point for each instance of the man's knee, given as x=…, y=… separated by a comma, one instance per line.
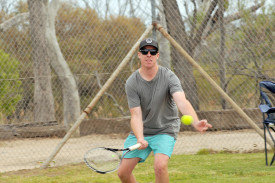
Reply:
x=122, y=174
x=160, y=168
x=161, y=164
x=125, y=170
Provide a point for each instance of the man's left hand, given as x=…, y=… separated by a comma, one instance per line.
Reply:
x=202, y=125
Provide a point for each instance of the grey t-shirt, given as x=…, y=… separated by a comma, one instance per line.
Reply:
x=159, y=111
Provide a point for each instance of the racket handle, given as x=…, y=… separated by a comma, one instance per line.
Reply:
x=134, y=147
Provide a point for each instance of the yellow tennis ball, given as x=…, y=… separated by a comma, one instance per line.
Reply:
x=187, y=119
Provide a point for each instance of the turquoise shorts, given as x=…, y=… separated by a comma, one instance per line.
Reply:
x=161, y=143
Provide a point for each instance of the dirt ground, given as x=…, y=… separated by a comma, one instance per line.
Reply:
x=30, y=153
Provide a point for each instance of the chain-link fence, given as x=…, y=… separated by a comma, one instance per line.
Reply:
x=56, y=56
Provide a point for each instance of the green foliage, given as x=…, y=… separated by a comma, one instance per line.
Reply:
x=226, y=4
x=9, y=83
x=248, y=58
x=98, y=44
x=90, y=43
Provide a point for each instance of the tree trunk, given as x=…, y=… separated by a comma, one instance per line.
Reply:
x=182, y=68
x=164, y=46
x=71, y=98
x=153, y=12
x=44, y=110
x=222, y=69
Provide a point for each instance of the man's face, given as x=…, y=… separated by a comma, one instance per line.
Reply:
x=148, y=56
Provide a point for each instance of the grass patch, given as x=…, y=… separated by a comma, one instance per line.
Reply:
x=205, y=166
x=206, y=152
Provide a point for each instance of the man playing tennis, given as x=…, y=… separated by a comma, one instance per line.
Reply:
x=154, y=95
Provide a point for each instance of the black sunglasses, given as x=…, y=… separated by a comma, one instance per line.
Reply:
x=145, y=51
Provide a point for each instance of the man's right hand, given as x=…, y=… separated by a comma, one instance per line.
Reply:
x=144, y=144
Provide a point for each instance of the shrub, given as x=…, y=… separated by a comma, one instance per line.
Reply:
x=10, y=85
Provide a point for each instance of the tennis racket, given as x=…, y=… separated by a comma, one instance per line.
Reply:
x=105, y=160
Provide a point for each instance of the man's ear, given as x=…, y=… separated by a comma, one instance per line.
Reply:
x=139, y=54
x=157, y=55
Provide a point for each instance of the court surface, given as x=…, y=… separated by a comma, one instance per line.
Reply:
x=30, y=153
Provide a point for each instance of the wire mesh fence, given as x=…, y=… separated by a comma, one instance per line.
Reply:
x=55, y=57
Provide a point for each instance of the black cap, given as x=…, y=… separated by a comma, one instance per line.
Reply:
x=148, y=42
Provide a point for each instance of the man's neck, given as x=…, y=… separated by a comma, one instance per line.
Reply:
x=148, y=73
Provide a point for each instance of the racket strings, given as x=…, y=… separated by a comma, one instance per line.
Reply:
x=102, y=160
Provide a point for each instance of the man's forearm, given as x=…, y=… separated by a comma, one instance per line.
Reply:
x=137, y=127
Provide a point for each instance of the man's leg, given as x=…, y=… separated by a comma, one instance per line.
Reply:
x=161, y=168
x=126, y=168
x=131, y=159
x=162, y=146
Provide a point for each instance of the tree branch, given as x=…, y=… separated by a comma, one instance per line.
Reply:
x=13, y=21
x=198, y=35
x=194, y=21
x=232, y=18
x=120, y=108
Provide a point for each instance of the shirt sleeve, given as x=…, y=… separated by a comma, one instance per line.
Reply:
x=174, y=83
x=132, y=97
